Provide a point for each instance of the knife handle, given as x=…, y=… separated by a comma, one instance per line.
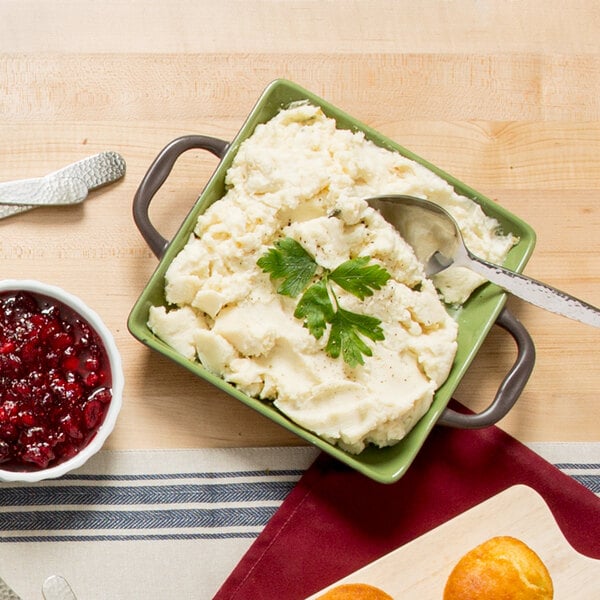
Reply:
x=67, y=186
x=43, y=191
x=537, y=293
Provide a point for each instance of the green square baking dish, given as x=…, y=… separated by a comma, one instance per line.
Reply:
x=475, y=318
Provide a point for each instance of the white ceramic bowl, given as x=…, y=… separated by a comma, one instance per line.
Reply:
x=117, y=380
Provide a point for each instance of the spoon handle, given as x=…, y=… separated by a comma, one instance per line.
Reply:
x=535, y=292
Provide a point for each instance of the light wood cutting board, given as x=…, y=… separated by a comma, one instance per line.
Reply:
x=420, y=568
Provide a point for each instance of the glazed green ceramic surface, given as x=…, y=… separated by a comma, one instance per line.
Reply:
x=475, y=317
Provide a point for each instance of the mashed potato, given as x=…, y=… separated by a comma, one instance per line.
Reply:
x=299, y=176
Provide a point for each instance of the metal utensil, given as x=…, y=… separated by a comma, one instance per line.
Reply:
x=6, y=592
x=56, y=587
x=435, y=236
x=69, y=185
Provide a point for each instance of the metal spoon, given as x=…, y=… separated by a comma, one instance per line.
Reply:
x=56, y=587
x=435, y=236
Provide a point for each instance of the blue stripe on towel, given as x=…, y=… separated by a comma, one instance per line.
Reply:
x=578, y=466
x=191, y=475
x=58, y=520
x=591, y=482
x=111, y=495
x=173, y=506
x=588, y=474
x=131, y=537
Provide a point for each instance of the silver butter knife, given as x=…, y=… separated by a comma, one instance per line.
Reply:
x=68, y=185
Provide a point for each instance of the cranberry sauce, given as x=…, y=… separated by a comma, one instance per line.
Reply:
x=55, y=382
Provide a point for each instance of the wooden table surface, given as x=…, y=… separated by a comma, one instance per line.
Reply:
x=502, y=95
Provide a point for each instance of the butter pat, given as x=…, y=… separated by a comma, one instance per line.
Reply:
x=299, y=176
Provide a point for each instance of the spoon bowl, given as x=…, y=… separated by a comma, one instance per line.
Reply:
x=438, y=243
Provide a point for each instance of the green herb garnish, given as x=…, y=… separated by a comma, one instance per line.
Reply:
x=319, y=304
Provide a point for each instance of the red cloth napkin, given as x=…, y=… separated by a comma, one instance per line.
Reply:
x=336, y=520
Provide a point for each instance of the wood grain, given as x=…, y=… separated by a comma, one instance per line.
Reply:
x=371, y=86
x=501, y=95
x=299, y=26
x=519, y=512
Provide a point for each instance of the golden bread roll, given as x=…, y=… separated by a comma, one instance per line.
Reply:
x=355, y=591
x=502, y=568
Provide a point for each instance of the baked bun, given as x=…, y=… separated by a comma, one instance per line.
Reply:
x=504, y=568
x=355, y=591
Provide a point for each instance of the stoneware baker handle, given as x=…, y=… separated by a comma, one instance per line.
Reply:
x=511, y=387
x=155, y=177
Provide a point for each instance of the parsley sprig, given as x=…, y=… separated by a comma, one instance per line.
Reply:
x=319, y=304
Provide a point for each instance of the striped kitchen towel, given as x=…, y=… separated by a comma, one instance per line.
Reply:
x=144, y=524
x=580, y=460
x=166, y=523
